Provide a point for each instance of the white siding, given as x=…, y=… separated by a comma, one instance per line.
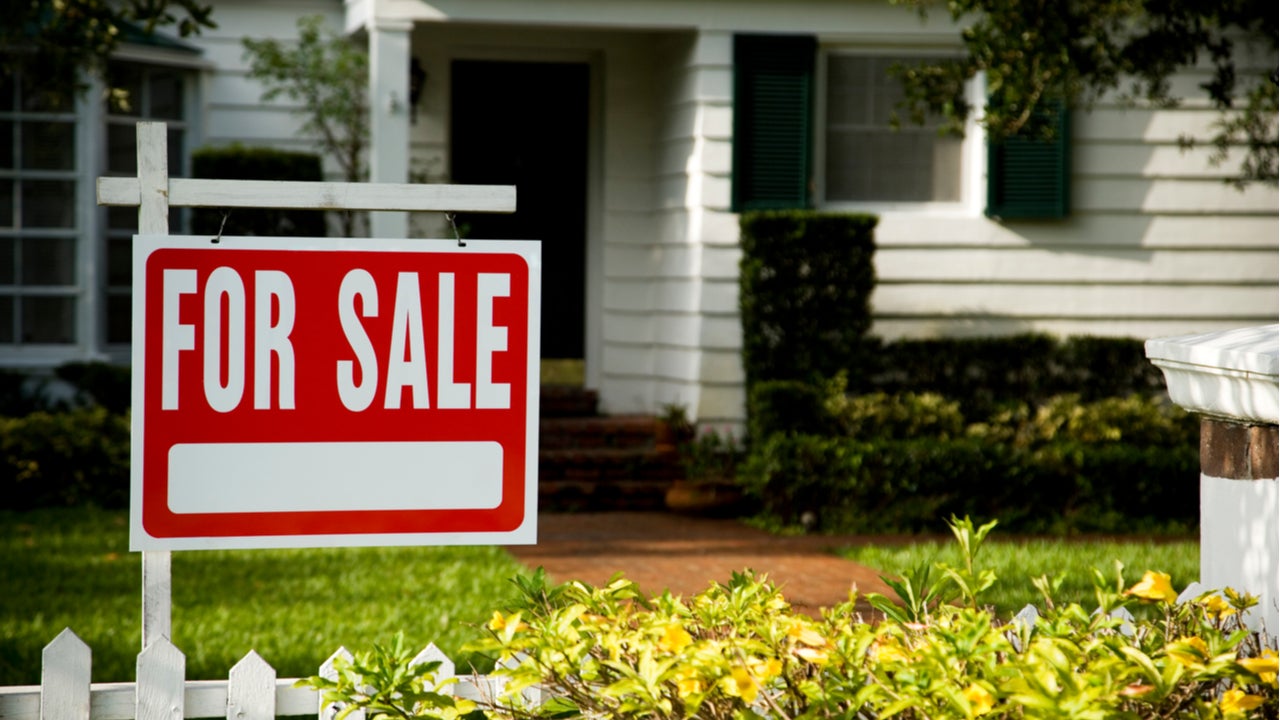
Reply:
x=1157, y=244
x=233, y=110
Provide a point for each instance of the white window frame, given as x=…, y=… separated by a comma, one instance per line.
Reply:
x=101, y=289
x=973, y=148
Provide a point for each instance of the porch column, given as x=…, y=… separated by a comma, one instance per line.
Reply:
x=1230, y=379
x=389, y=116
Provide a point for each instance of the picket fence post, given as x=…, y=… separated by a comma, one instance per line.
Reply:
x=162, y=673
x=251, y=691
x=64, y=678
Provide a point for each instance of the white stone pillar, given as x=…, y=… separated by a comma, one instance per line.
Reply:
x=1231, y=379
x=389, y=57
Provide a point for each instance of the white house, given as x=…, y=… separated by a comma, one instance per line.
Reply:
x=617, y=121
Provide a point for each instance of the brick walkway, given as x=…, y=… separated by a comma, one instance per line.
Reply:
x=686, y=554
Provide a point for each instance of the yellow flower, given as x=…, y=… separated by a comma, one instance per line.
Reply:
x=813, y=655
x=1217, y=607
x=1188, y=651
x=1154, y=586
x=766, y=670
x=807, y=636
x=674, y=639
x=688, y=682
x=887, y=650
x=1236, y=701
x=740, y=684
x=1265, y=667
x=980, y=701
x=499, y=622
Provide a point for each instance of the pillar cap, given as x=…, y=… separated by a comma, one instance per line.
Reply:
x=1232, y=374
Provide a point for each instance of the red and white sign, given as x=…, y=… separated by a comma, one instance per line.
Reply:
x=326, y=392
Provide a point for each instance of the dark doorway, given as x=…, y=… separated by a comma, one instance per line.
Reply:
x=525, y=124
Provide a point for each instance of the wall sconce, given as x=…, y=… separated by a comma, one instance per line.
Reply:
x=417, y=82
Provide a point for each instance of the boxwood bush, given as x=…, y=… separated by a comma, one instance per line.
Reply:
x=887, y=463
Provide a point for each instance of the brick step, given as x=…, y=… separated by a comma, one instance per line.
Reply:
x=588, y=496
x=602, y=431
x=607, y=465
x=601, y=479
x=558, y=401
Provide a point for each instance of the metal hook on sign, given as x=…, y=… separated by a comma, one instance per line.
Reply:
x=449, y=216
x=225, y=214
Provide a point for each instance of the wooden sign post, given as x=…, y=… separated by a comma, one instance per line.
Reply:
x=153, y=192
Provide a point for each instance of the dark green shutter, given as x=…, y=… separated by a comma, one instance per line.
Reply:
x=1029, y=177
x=772, y=121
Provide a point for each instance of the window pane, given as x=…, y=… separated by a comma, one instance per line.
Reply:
x=6, y=319
x=6, y=144
x=122, y=218
x=48, y=203
x=6, y=203
x=48, y=261
x=176, y=167
x=6, y=261
x=48, y=320
x=166, y=95
x=119, y=318
x=7, y=92
x=39, y=95
x=48, y=145
x=119, y=262
x=866, y=159
x=122, y=152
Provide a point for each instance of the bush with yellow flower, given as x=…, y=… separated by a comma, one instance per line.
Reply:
x=738, y=650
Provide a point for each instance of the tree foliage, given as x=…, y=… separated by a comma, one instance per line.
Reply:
x=59, y=39
x=327, y=75
x=1048, y=53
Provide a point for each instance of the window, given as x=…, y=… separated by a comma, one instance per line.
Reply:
x=866, y=160
x=139, y=92
x=38, y=218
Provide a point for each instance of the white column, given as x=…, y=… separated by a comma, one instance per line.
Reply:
x=389, y=116
x=1232, y=379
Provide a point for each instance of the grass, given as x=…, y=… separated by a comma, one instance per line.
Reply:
x=1016, y=562
x=72, y=568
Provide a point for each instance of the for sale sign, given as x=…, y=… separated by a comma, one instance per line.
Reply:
x=303, y=393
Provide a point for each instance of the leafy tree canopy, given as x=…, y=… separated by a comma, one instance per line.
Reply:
x=57, y=39
x=1048, y=53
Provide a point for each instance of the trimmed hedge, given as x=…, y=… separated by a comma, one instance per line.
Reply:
x=889, y=463
x=806, y=281
x=237, y=162
x=847, y=485
x=984, y=373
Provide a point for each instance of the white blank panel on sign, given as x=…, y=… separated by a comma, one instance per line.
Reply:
x=320, y=477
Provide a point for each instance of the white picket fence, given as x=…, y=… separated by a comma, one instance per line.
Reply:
x=251, y=692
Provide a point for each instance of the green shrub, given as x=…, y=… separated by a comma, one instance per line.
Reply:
x=74, y=457
x=738, y=650
x=1134, y=420
x=880, y=416
x=840, y=484
x=787, y=406
x=99, y=383
x=806, y=281
x=984, y=374
x=236, y=162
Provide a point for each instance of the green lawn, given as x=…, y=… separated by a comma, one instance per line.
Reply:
x=1016, y=562
x=72, y=568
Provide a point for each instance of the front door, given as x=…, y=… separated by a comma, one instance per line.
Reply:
x=525, y=124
